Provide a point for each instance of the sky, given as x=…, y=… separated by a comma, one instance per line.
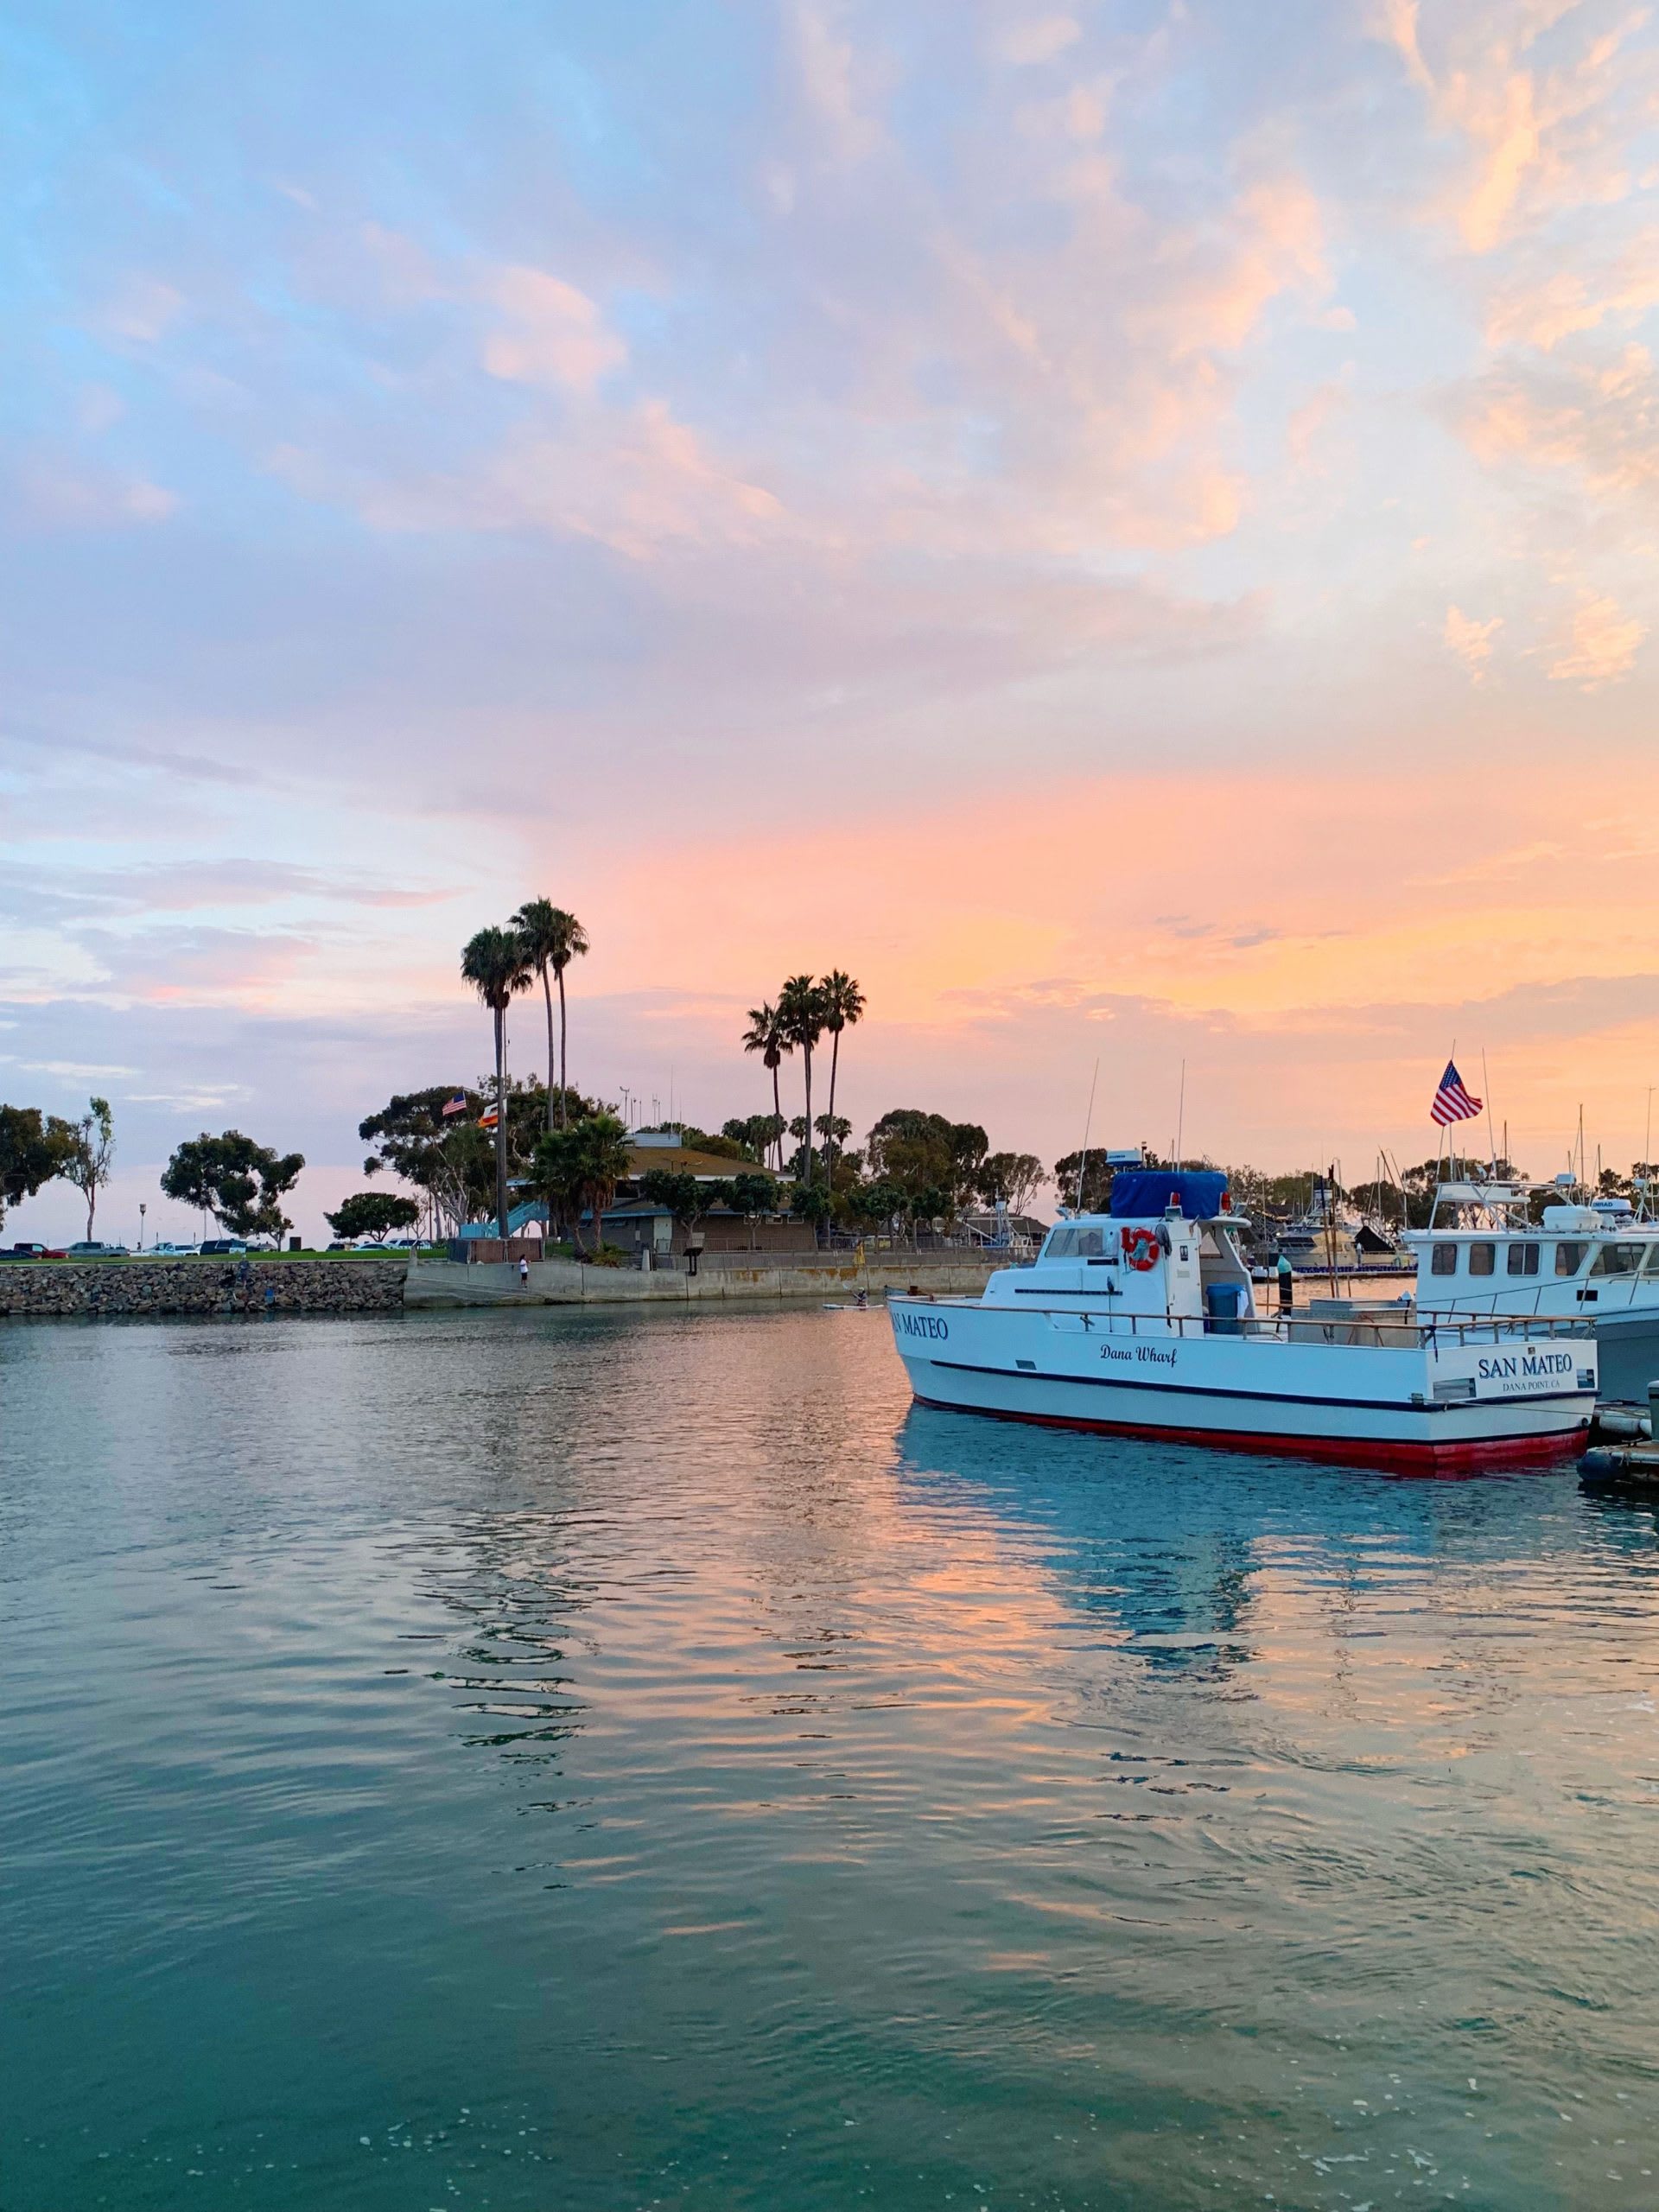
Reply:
x=1127, y=527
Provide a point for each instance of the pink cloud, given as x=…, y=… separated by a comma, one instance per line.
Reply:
x=554, y=334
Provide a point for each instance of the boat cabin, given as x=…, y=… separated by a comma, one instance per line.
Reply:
x=1486, y=1237
x=1167, y=1248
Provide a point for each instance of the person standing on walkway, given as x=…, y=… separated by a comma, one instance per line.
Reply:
x=524, y=1273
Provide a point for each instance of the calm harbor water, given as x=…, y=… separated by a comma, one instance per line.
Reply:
x=581, y=1762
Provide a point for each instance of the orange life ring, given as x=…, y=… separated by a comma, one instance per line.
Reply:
x=1141, y=1247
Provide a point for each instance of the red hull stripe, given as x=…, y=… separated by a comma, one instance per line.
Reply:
x=1470, y=1457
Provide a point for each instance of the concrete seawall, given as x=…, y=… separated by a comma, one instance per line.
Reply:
x=119, y=1289
x=564, y=1282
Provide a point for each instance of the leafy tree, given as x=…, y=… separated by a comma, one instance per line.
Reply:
x=447, y=1157
x=801, y=1016
x=686, y=1199
x=766, y=1035
x=809, y=1201
x=552, y=939
x=35, y=1148
x=753, y=1134
x=494, y=962
x=722, y=1147
x=843, y=1005
x=1013, y=1178
x=373, y=1213
x=88, y=1165
x=757, y=1133
x=754, y=1194
x=920, y=1152
x=1097, y=1186
x=240, y=1183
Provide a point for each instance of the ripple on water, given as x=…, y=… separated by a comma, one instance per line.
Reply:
x=603, y=1759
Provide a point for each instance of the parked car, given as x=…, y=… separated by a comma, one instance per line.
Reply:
x=214, y=1248
x=32, y=1252
x=169, y=1251
x=90, y=1249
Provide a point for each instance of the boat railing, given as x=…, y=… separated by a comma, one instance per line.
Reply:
x=1379, y=1329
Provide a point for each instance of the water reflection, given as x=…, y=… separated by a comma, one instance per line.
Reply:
x=647, y=1746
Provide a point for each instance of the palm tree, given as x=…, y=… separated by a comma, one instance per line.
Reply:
x=765, y=1035
x=494, y=963
x=553, y=939
x=600, y=1157
x=539, y=924
x=800, y=1017
x=843, y=1005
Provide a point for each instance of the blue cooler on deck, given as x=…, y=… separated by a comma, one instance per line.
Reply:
x=1222, y=1301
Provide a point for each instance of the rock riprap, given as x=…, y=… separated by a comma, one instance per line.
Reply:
x=123, y=1289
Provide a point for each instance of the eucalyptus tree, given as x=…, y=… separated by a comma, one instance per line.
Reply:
x=494, y=962
x=88, y=1165
x=34, y=1148
x=801, y=1018
x=843, y=1005
x=765, y=1035
x=240, y=1183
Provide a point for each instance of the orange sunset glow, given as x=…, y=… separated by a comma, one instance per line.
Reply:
x=1132, y=535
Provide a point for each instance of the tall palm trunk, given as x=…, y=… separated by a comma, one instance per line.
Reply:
x=806, y=1054
x=501, y=1121
x=777, y=1116
x=829, y=1141
x=564, y=1062
x=547, y=993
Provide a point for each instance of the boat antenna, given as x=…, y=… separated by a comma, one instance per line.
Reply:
x=1491, y=1121
x=1087, y=1123
x=1180, y=1116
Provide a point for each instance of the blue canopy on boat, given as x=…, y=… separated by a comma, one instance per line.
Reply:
x=1140, y=1194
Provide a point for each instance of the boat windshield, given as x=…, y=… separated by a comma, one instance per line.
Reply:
x=1075, y=1240
x=1619, y=1260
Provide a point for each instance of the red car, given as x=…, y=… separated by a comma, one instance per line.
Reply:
x=34, y=1252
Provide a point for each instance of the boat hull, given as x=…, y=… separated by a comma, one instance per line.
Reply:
x=1353, y=1400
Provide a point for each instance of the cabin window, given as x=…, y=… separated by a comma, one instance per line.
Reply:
x=1088, y=1245
x=1483, y=1259
x=1569, y=1258
x=1063, y=1243
x=1523, y=1259
x=1618, y=1259
x=1652, y=1256
x=1444, y=1262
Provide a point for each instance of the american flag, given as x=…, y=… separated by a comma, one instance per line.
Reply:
x=1451, y=1102
x=457, y=1104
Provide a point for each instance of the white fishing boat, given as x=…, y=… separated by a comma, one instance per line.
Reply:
x=1144, y=1322
x=1482, y=1254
